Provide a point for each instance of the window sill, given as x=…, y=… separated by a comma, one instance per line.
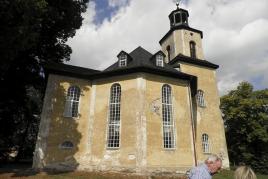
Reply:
x=112, y=148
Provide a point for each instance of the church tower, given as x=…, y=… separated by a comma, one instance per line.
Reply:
x=181, y=38
x=182, y=46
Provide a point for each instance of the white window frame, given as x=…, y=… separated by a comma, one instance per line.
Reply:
x=72, y=102
x=205, y=144
x=159, y=60
x=113, y=129
x=200, y=97
x=122, y=60
x=169, y=136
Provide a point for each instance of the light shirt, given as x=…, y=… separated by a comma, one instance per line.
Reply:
x=200, y=172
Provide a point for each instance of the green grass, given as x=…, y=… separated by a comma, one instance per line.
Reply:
x=229, y=174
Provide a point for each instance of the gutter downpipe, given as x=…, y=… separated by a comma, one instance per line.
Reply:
x=192, y=123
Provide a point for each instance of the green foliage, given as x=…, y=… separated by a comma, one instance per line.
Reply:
x=245, y=114
x=32, y=32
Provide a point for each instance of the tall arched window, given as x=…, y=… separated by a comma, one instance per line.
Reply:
x=205, y=143
x=192, y=49
x=168, y=124
x=200, y=98
x=72, y=102
x=113, y=136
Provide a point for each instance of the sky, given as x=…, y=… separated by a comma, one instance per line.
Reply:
x=235, y=35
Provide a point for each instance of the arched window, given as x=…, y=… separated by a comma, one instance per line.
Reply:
x=72, y=102
x=113, y=136
x=168, y=51
x=205, y=143
x=159, y=60
x=122, y=60
x=168, y=124
x=192, y=49
x=67, y=145
x=200, y=98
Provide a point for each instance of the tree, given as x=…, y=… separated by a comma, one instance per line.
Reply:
x=32, y=32
x=245, y=114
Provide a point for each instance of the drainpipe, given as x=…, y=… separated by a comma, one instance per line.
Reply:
x=192, y=123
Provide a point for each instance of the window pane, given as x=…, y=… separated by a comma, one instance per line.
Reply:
x=177, y=18
x=205, y=143
x=113, y=136
x=200, y=98
x=72, y=102
x=168, y=124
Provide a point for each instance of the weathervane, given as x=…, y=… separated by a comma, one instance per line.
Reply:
x=178, y=3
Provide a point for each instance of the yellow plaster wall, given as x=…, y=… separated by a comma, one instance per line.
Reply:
x=141, y=138
x=67, y=129
x=182, y=154
x=179, y=42
x=169, y=41
x=209, y=118
x=101, y=155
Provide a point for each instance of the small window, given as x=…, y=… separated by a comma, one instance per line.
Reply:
x=168, y=51
x=192, y=49
x=177, y=18
x=67, y=145
x=72, y=102
x=200, y=98
x=159, y=60
x=184, y=18
x=123, y=60
x=205, y=144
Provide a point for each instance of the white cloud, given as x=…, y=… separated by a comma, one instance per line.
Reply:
x=117, y=3
x=235, y=35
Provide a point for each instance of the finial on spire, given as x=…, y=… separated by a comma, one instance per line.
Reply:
x=178, y=3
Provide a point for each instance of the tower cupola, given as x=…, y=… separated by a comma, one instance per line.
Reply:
x=178, y=17
x=181, y=38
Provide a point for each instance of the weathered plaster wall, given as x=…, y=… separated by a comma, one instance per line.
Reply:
x=209, y=118
x=181, y=157
x=62, y=128
x=141, y=139
x=179, y=42
x=103, y=158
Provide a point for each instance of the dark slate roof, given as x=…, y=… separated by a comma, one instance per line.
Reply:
x=141, y=58
x=69, y=70
x=140, y=61
x=178, y=27
x=194, y=61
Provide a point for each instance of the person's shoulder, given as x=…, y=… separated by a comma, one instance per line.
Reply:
x=198, y=168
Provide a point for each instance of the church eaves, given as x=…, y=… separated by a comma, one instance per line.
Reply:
x=194, y=61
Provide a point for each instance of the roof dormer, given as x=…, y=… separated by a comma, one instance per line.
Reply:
x=123, y=59
x=159, y=59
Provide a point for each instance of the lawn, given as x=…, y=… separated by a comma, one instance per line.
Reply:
x=23, y=172
x=228, y=174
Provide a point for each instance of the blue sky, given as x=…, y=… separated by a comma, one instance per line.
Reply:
x=235, y=34
x=103, y=10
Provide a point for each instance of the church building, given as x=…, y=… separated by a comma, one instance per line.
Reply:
x=148, y=112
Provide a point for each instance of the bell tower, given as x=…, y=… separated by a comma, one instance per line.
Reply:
x=181, y=38
x=182, y=46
